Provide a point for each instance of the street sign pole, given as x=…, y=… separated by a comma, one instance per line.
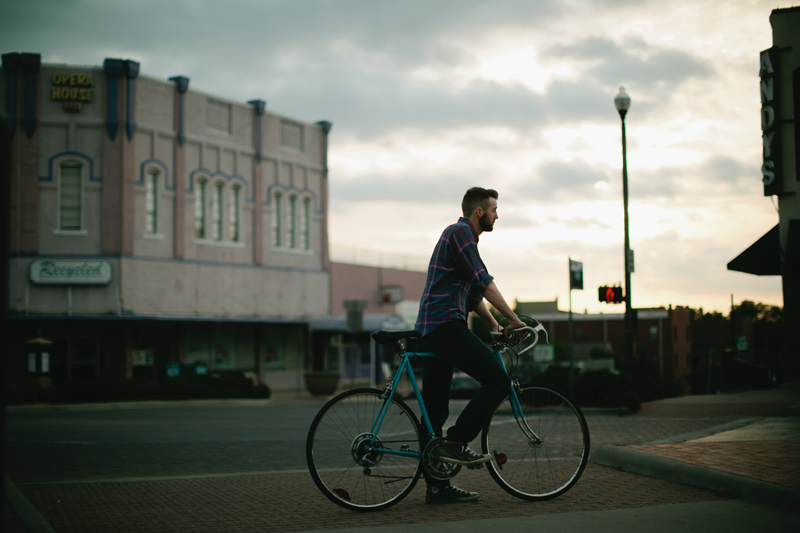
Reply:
x=575, y=282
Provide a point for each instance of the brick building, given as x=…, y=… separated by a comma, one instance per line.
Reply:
x=152, y=223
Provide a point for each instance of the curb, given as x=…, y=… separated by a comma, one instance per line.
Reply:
x=34, y=522
x=697, y=476
x=146, y=404
x=683, y=437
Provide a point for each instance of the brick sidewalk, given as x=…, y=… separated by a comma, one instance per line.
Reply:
x=291, y=502
x=715, y=410
x=770, y=461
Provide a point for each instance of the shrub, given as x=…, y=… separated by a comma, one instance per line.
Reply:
x=601, y=388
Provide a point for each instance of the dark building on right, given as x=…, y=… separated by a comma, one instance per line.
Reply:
x=777, y=252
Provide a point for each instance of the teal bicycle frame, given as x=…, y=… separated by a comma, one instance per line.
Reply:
x=391, y=387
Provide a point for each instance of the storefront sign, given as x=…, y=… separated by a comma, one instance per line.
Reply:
x=545, y=353
x=771, y=169
x=73, y=89
x=71, y=272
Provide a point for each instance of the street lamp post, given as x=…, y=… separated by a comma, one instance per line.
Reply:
x=622, y=101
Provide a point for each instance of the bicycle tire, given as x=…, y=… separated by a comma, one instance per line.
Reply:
x=537, y=470
x=354, y=479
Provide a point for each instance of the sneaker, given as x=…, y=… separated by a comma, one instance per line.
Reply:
x=460, y=454
x=449, y=494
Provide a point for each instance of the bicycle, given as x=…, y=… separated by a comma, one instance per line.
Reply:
x=366, y=448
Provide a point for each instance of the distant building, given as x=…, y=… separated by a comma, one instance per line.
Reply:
x=662, y=346
x=534, y=308
x=391, y=296
x=153, y=224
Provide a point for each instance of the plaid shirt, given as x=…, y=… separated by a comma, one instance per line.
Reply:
x=456, y=280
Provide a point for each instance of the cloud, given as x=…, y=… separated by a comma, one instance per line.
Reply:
x=717, y=175
x=419, y=189
x=579, y=222
x=336, y=60
x=404, y=82
x=654, y=71
x=515, y=220
x=564, y=181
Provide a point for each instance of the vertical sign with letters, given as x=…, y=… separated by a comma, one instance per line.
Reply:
x=771, y=171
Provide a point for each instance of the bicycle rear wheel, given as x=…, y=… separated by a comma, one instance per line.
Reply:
x=547, y=462
x=341, y=466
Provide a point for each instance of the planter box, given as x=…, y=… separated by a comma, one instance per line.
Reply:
x=322, y=383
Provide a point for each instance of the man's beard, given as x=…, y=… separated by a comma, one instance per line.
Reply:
x=486, y=223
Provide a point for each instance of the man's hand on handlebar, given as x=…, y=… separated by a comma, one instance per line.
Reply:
x=512, y=325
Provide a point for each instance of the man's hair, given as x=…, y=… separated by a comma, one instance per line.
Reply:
x=476, y=197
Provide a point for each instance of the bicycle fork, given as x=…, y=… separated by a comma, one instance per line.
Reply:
x=534, y=440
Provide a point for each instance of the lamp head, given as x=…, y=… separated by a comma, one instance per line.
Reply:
x=622, y=101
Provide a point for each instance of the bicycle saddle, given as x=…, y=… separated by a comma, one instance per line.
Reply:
x=388, y=337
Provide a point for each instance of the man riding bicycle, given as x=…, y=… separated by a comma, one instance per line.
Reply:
x=457, y=284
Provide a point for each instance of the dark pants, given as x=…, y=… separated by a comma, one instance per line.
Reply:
x=457, y=347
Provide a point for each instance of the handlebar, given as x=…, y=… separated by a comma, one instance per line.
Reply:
x=532, y=330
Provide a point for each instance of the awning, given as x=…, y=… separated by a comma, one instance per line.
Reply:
x=762, y=258
x=371, y=323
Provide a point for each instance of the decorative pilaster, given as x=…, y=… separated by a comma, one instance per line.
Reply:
x=21, y=100
x=30, y=66
x=181, y=85
x=113, y=162
x=179, y=172
x=326, y=128
x=10, y=66
x=128, y=170
x=258, y=106
x=113, y=70
x=258, y=223
x=132, y=71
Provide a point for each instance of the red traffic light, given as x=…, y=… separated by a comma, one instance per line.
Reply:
x=610, y=295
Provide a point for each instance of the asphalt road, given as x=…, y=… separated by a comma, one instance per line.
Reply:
x=199, y=440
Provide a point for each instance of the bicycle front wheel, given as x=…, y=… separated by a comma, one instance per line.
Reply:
x=340, y=460
x=540, y=451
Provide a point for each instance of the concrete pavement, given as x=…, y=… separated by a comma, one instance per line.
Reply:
x=722, y=436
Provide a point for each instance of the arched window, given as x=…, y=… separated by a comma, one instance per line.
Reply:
x=305, y=222
x=291, y=217
x=276, y=220
x=233, y=213
x=216, y=211
x=200, y=209
x=70, y=196
x=152, y=200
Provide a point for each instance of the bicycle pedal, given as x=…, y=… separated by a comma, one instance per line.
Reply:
x=475, y=467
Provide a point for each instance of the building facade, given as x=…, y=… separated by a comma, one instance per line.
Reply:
x=777, y=252
x=389, y=300
x=662, y=343
x=153, y=224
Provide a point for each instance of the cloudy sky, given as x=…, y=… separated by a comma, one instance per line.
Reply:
x=431, y=97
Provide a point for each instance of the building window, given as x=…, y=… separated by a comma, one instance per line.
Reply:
x=200, y=210
x=216, y=211
x=304, y=229
x=233, y=213
x=675, y=333
x=291, y=237
x=276, y=220
x=151, y=202
x=38, y=363
x=292, y=135
x=70, y=197
x=688, y=333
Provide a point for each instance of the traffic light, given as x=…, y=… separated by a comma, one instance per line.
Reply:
x=610, y=295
